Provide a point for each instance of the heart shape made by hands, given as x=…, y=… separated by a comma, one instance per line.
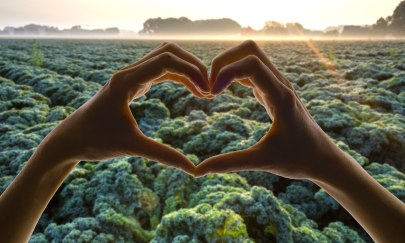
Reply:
x=287, y=147
x=104, y=127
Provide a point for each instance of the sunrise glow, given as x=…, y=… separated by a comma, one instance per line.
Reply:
x=130, y=15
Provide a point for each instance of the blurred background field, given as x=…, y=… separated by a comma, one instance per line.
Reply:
x=355, y=90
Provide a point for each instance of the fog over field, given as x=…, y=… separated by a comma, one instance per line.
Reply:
x=384, y=28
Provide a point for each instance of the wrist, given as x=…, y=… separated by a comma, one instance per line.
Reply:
x=333, y=166
x=37, y=182
x=378, y=211
x=50, y=163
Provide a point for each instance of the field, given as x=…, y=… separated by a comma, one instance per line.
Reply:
x=354, y=90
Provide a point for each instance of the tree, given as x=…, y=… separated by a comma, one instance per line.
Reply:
x=381, y=26
x=398, y=19
x=295, y=29
x=184, y=26
x=274, y=28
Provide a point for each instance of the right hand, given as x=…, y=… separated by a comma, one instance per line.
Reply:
x=295, y=146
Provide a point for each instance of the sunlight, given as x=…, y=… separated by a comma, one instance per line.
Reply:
x=125, y=14
x=328, y=64
x=210, y=121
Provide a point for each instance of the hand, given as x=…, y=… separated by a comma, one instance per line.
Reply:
x=104, y=127
x=295, y=146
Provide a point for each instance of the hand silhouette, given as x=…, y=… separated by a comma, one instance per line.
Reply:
x=295, y=146
x=104, y=127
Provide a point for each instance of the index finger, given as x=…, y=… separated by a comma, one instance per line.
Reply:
x=178, y=51
x=252, y=68
x=130, y=79
x=241, y=51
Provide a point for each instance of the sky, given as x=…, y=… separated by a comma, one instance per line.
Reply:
x=130, y=14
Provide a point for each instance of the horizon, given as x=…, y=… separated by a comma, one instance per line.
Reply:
x=213, y=38
x=312, y=14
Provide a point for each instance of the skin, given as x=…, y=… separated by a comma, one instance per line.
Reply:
x=294, y=147
x=102, y=128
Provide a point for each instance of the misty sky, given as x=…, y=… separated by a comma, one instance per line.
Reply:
x=130, y=14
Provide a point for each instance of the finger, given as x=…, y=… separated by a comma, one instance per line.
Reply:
x=241, y=51
x=130, y=80
x=175, y=78
x=152, y=150
x=169, y=62
x=179, y=52
x=258, y=96
x=263, y=79
x=180, y=78
x=246, y=82
x=229, y=162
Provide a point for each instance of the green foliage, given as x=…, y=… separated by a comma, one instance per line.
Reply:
x=136, y=200
x=398, y=18
x=202, y=223
x=206, y=136
x=150, y=114
x=393, y=52
x=308, y=198
x=389, y=177
x=36, y=56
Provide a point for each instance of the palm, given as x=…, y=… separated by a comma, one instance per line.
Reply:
x=289, y=147
x=104, y=127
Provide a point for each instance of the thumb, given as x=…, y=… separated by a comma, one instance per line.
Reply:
x=229, y=162
x=153, y=150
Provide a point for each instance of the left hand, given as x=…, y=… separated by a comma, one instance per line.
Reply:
x=104, y=127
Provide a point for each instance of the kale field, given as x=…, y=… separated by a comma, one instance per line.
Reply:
x=354, y=90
